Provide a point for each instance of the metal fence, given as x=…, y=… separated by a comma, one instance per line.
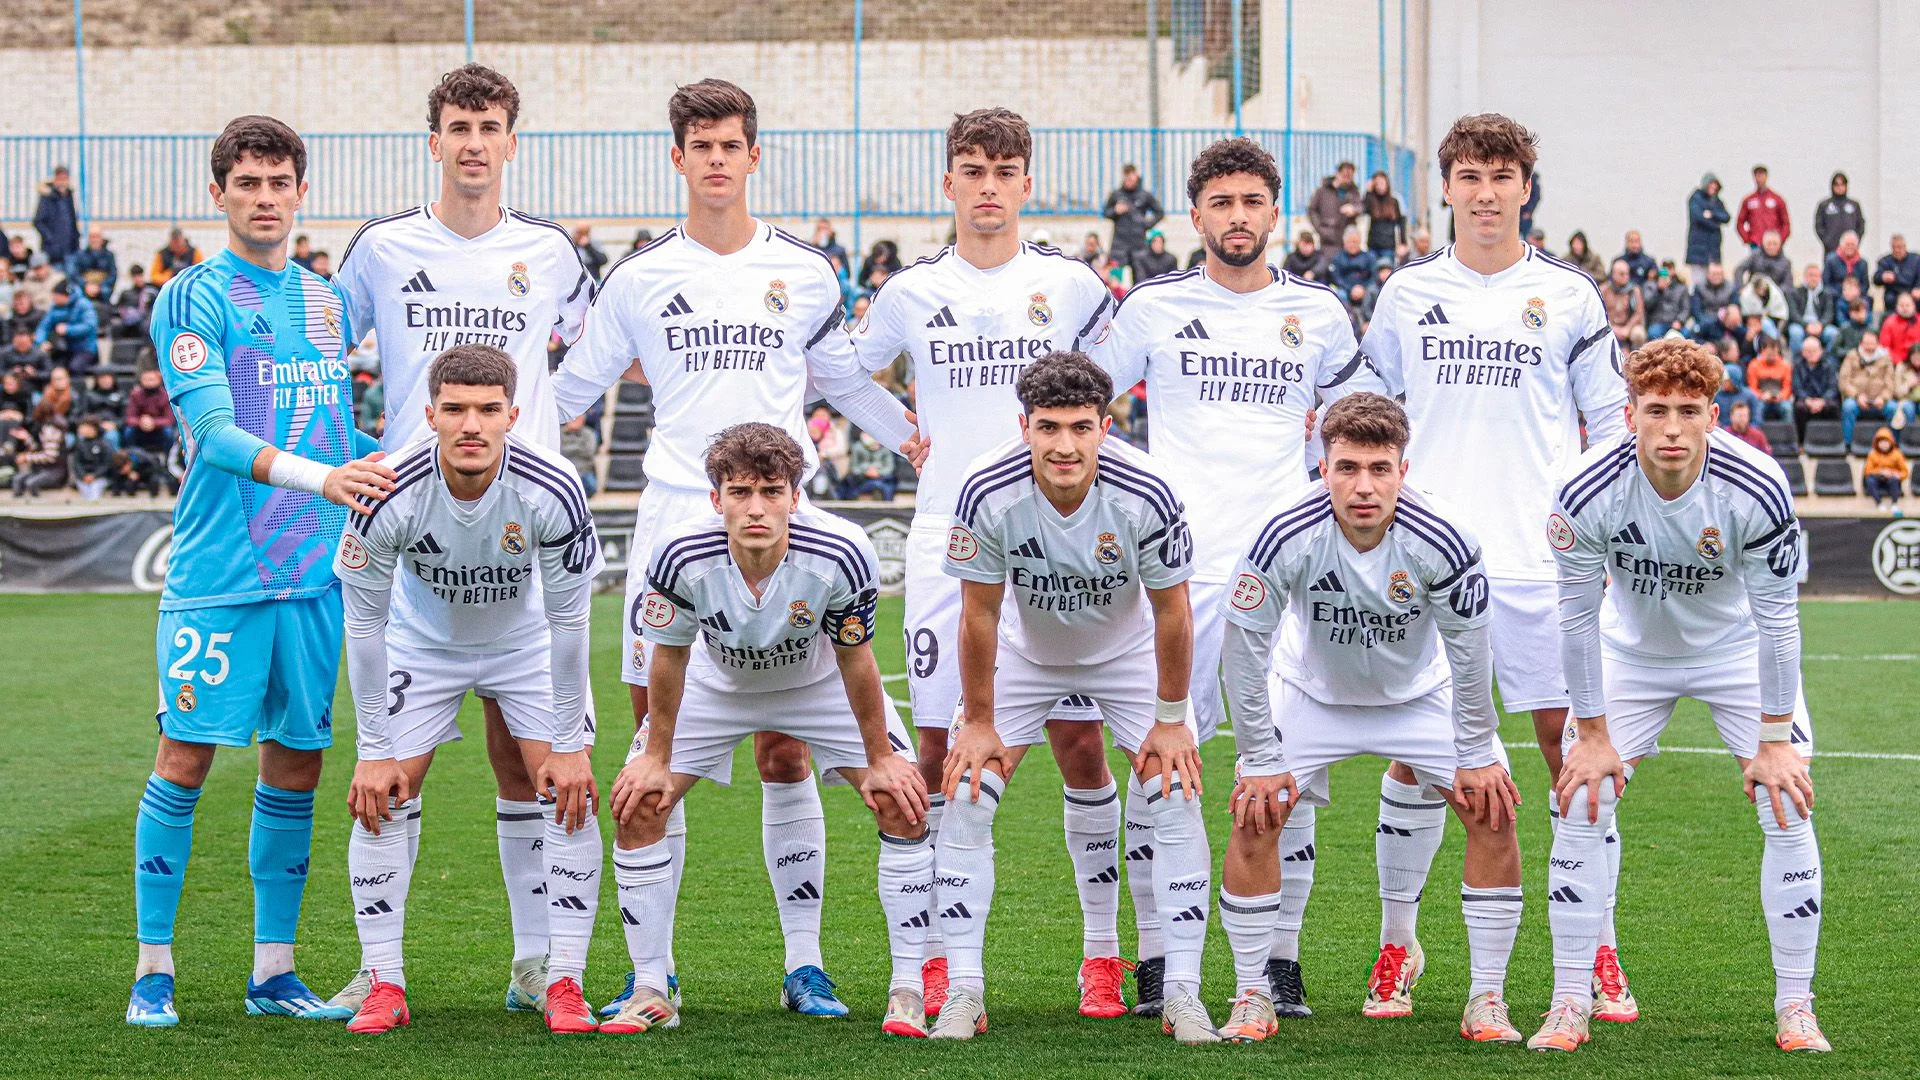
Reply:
x=600, y=175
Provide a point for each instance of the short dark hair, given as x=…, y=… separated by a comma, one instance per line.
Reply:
x=472, y=364
x=63, y=286
x=754, y=449
x=1489, y=138
x=1227, y=157
x=263, y=137
x=710, y=101
x=998, y=132
x=476, y=87
x=1365, y=419
x=1064, y=380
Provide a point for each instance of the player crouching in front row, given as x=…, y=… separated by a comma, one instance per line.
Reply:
x=760, y=589
x=1370, y=573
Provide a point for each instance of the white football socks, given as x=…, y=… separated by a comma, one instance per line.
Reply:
x=381, y=871
x=906, y=888
x=1790, y=895
x=1138, y=842
x=1092, y=817
x=573, y=893
x=963, y=877
x=644, y=879
x=522, y=829
x=1412, y=822
x=1297, y=859
x=1182, y=880
x=1613, y=881
x=936, y=809
x=1577, y=893
x=793, y=837
x=677, y=844
x=413, y=831
x=1249, y=922
x=1493, y=921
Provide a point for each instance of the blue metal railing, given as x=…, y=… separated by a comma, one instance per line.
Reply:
x=608, y=174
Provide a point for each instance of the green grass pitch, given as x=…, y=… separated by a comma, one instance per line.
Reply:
x=77, y=706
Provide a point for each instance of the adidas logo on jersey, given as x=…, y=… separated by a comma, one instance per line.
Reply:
x=427, y=545
x=1192, y=331
x=679, y=306
x=1029, y=549
x=1329, y=582
x=717, y=621
x=806, y=891
x=1192, y=914
x=261, y=329
x=1433, y=317
x=943, y=317
x=419, y=282
x=1629, y=535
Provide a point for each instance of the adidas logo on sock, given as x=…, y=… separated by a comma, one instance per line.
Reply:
x=378, y=907
x=1805, y=911
x=627, y=917
x=1433, y=317
x=1192, y=331
x=678, y=306
x=806, y=891
x=1105, y=877
x=1029, y=549
x=571, y=903
x=156, y=865
x=1305, y=854
x=957, y=911
x=943, y=317
x=1388, y=830
x=919, y=921
x=1192, y=914
x=540, y=889
x=418, y=283
x=1564, y=895
x=427, y=545
x=1629, y=535
x=298, y=871
x=1143, y=853
x=1329, y=582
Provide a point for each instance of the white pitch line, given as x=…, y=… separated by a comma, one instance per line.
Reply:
x=893, y=678
x=1892, y=657
x=1721, y=750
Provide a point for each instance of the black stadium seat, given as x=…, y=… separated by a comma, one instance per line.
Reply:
x=1862, y=439
x=1796, y=472
x=1781, y=436
x=1823, y=440
x=1910, y=439
x=633, y=393
x=624, y=472
x=1833, y=478
x=631, y=434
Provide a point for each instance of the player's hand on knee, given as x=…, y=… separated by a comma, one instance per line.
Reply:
x=364, y=478
x=1589, y=762
x=974, y=746
x=1779, y=768
x=1173, y=747
x=896, y=778
x=1486, y=795
x=376, y=786
x=569, y=779
x=642, y=784
x=1257, y=800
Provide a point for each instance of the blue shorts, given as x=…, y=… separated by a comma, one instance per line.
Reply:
x=266, y=668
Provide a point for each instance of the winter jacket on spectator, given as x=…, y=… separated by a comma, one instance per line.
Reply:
x=1848, y=337
x=1874, y=377
x=1640, y=265
x=1130, y=228
x=1898, y=334
x=1349, y=269
x=100, y=262
x=168, y=262
x=1386, y=225
x=1626, y=307
x=1324, y=211
x=1581, y=254
x=1889, y=461
x=106, y=403
x=1760, y=296
x=1752, y=436
x=58, y=225
x=152, y=403
x=30, y=364
x=1672, y=306
x=1897, y=275
x=1805, y=304
x=1306, y=264
x=82, y=325
x=578, y=445
x=90, y=457
x=1837, y=269
x=16, y=400
x=1821, y=380
x=1778, y=267
x=131, y=309
x=1706, y=216
x=50, y=446
x=1762, y=212
x=1729, y=396
x=1149, y=264
x=1708, y=299
x=1836, y=216
x=1770, y=377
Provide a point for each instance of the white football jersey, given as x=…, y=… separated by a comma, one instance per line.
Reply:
x=1681, y=572
x=825, y=589
x=1230, y=379
x=470, y=575
x=1076, y=586
x=1495, y=372
x=723, y=339
x=424, y=288
x=970, y=333
x=1361, y=628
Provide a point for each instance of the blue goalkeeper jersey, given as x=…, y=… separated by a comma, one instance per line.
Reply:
x=245, y=348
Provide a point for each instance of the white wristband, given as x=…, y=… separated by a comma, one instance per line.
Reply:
x=297, y=473
x=1781, y=731
x=1170, y=712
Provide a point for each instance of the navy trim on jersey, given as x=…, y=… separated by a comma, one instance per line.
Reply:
x=554, y=225
x=1163, y=279
x=834, y=320
x=680, y=555
x=802, y=244
x=815, y=535
x=1150, y=487
x=1586, y=343
x=1011, y=469
x=1097, y=312
x=1296, y=279
x=1287, y=524
x=362, y=230
x=630, y=256
x=1569, y=268
x=425, y=463
x=565, y=488
x=1766, y=490
x=1359, y=361
x=834, y=555
x=585, y=282
x=1408, y=265
x=1596, y=478
x=1437, y=531
x=891, y=278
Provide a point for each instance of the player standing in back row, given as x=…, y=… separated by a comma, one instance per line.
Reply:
x=466, y=269
x=730, y=320
x=1236, y=352
x=1499, y=350
x=972, y=318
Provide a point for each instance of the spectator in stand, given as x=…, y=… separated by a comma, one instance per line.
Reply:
x=39, y=282
x=1850, y=295
x=1091, y=252
x=1712, y=296
x=1762, y=212
x=135, y=472
x=858, y=311
x=1885, y=472
x=95, y=263
x=578, y=444
x=1352, y=265
x=1626, y=307
x=44, y=466
x=1116, y=276
x=1810, y=310
x=1733, y=387
x=1381, y=271
x=91, y=461
x=1898, y=271
x=1386, y=224
x=1155, y=260
x=869, y=470
x=1755, y=328
x=70, y=330
x=1422, y=244
x=7, y=285
x=1133, y=210
x=370, y=411
x=302, y=251
x=16, y=399
x=322, y=265
x=1770, y=377
x=1900, y=330
x=1816, y=385
x=54, y=218
x=149, y=416
x=1306, y=260
x=1640, y=265
x=1760, y=295
x=641, y=238
x=826, y=240
x=1740, y=425
x=1335, y=207
x=57, y=399
x=830, y=446
x=19, y=255
x=133, y=306
x=1580, y=253
x=1852, y=328
x=104, y=401
x=1872, y=387
x=1846, y=263
x=1768, y=259
x=1837, y=215
x=1532, y=204
x=1706, y=217
x=1672, y=305
x=22, y=359
x=883, y=257
x=177, y=255
x=591, y=256
x=1538, y=238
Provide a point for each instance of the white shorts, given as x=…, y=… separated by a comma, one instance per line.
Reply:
x=1315, y=736
x=712, y=723
x=1209, y=631
x=1640, y=701
x=1125, y=689
x=1525, y=629
x=933, y=637
x=426, y=687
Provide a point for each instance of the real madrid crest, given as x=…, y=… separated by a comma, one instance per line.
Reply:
x=184, y=701
x=1038, y=313
x=851, y=632
x=776, y=298
x=1290, y=334
x=799, y=615
x=518, y=283
x=1108, y=549
x=1535, y=316
x=1400, y=587
x=511, y=541
x=331, y=317
x=1709, y=546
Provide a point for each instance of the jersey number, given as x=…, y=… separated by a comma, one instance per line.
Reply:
x=401, y=680
x=926, y=652
x=189, y=638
